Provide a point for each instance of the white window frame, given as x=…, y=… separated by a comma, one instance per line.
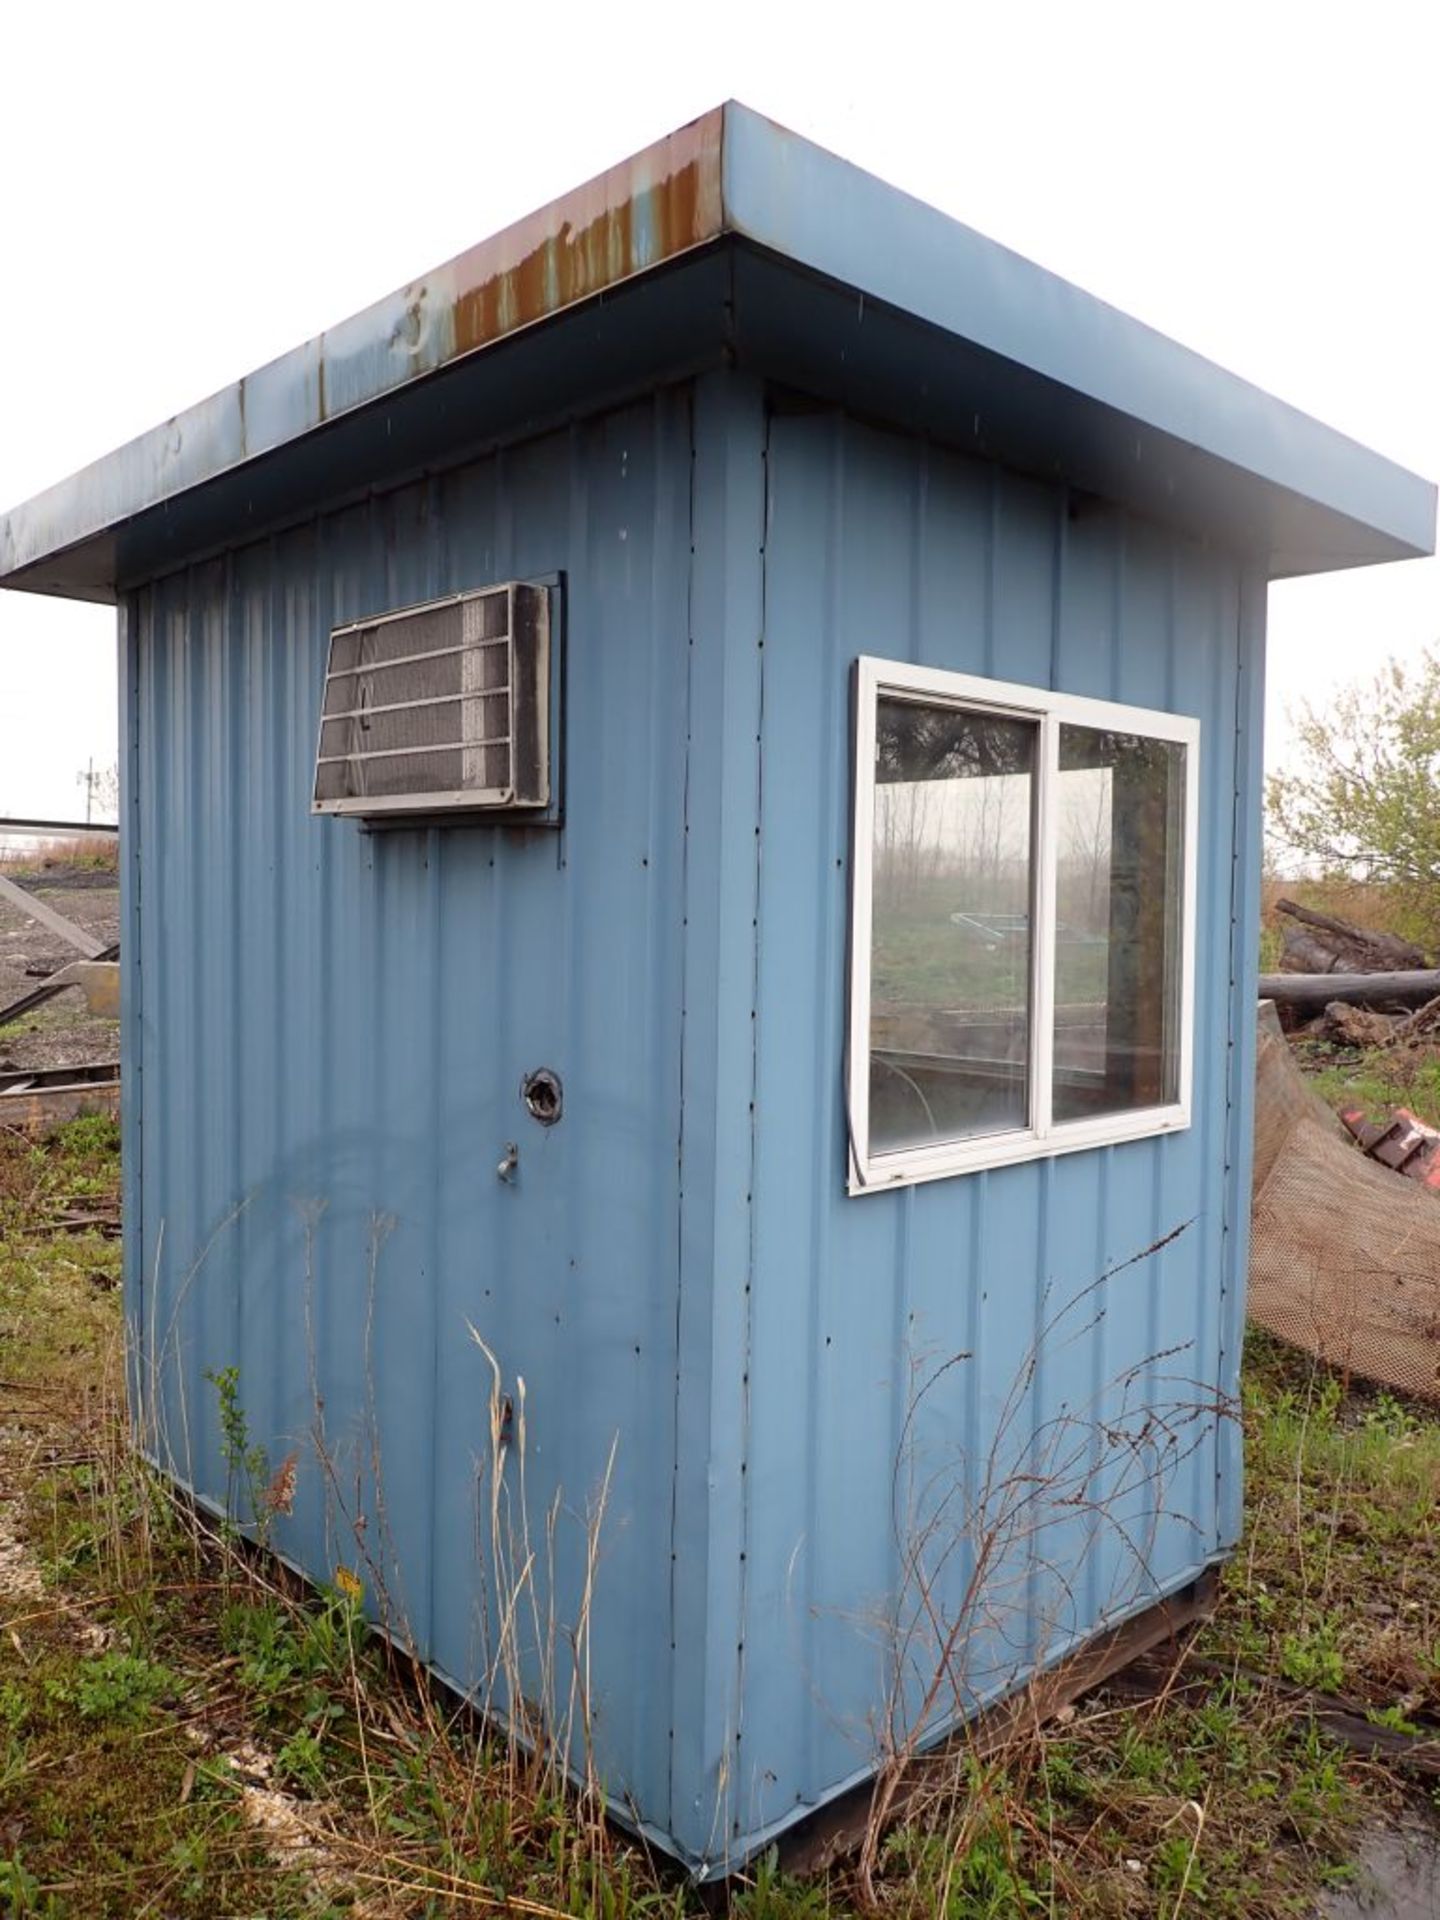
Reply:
x=874, y=679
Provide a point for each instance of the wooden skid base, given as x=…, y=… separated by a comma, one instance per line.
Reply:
x=40, y=1110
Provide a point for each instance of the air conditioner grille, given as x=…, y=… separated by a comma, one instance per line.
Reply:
x=439, y=706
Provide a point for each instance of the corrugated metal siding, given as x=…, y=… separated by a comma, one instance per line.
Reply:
x=328, y=1032
x=875, y=544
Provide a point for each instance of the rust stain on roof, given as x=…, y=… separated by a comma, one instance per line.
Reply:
x=650, y=209
x=625, y=234
x=627, y=221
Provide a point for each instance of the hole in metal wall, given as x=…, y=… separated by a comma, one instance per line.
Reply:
x=543, y=1096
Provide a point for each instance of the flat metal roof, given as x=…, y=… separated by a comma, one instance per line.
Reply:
x=731, y=239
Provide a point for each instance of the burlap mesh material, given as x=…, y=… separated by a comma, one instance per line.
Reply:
x=1345, y=1254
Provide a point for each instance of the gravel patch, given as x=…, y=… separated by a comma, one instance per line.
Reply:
x=62, y=1033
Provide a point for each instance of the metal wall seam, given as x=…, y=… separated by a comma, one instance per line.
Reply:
x=1213, y=591
x=1246, y=859
x=690, y=1773
x=131, y=1010
x=720, y=916
x=153, y=710
x=754, y=530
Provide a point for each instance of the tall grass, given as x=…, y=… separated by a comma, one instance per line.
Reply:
x=993, y=1552
x=100, y=851
x=507, y=1772
x=410, y=1800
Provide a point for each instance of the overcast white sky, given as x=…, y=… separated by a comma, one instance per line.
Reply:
x=190, y=190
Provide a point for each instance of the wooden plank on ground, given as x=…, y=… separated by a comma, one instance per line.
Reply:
x=40, y=1110
x=46, y=916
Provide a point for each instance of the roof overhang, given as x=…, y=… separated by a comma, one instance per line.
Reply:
x=731, y=240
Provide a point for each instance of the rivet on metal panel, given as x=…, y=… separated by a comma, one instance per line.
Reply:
x=510, y=1164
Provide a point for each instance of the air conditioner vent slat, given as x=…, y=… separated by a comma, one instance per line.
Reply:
x=439, y=707
x=411, y=753
x=409, y=706
x=410, y=659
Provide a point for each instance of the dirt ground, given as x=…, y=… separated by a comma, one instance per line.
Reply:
x=62, y=1032
x=1398, y=1877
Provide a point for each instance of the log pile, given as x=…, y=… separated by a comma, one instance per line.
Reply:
x=1349, y=984
x=1319, y=943
x=1386, y=992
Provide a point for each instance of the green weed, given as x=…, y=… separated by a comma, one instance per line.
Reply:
x=1376, y=1079
x=302, y=1760
x=247, y=1464
x=1396, y=1719
x=113, y=1685
x=770, y=1895
x=21, y=1894
x=1313, y=1659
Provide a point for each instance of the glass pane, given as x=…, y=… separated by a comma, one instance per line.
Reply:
x=1120, y=861
x=950, y=937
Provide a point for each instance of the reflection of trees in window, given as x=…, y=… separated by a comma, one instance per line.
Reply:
x=1120, y=882
x=950, y=930
x=1083, y=856
x=952, y=807
x=916, y=742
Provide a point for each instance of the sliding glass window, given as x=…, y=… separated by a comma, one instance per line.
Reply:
x=1021, y=931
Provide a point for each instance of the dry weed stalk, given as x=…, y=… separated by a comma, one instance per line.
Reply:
x=542, y=1722
x=1047, y=1492
x=534, y=1684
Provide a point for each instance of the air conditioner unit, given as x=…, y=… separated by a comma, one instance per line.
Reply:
x=440, y=708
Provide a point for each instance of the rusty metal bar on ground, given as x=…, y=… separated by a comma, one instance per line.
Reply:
x=47, y=916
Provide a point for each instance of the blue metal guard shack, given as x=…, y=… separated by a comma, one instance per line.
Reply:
x=691, y=802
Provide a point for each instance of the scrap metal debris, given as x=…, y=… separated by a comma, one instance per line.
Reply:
x=1401, y=1142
